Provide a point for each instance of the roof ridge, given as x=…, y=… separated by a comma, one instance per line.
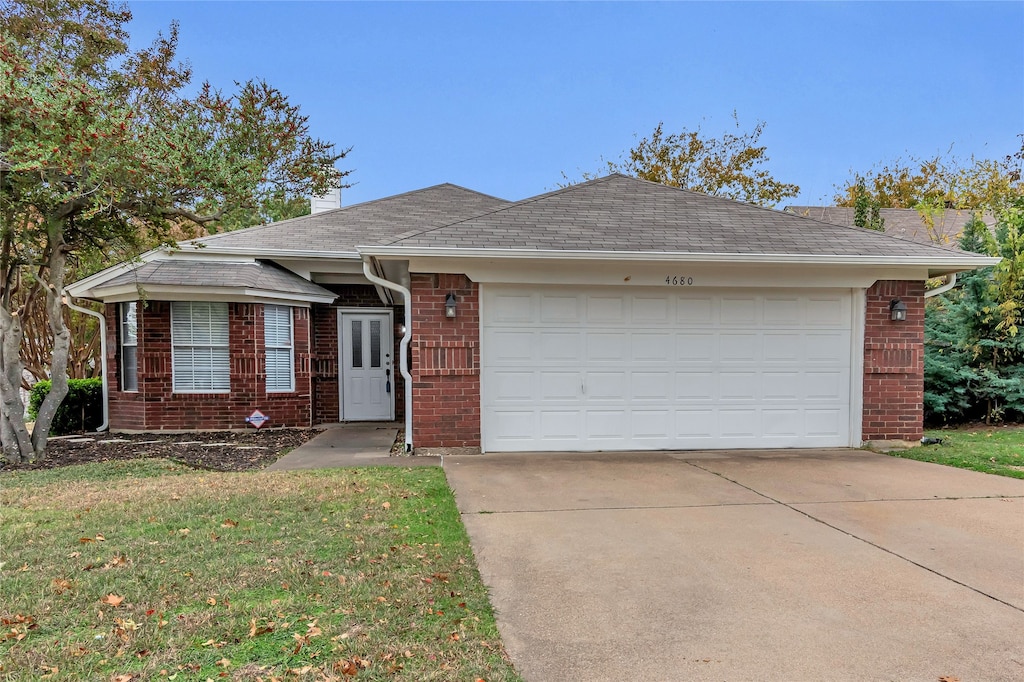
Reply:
x=783, y=211
x=521, y=202
x=278, y=223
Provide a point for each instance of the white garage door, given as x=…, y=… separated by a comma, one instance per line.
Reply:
x=641, y=369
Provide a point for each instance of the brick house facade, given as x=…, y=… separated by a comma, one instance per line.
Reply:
x=635, y=241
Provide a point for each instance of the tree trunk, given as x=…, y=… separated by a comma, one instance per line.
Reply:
x=14, y=436
x=61, y=339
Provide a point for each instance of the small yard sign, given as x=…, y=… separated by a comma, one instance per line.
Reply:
x=257, y=419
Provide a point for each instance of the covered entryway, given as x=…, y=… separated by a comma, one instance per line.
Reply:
x=628, y=368
x=367, y=377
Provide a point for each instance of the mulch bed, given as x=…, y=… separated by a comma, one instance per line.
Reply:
x=213, y=450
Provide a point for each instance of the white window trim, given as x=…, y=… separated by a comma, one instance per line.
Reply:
x=204, y=391
x=290, y=347
x=122, y=307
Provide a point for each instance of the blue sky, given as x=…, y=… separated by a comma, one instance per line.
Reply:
x=504, y=97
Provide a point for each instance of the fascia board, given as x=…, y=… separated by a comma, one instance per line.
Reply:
x=82, y=288
x=158, y=292
x=951, y=261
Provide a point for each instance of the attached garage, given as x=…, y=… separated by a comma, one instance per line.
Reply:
x=606, y=368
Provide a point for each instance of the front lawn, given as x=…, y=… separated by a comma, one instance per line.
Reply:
x=148, y=570
x=993, y=450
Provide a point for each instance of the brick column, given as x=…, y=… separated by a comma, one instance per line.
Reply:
x=894, y=363
x=445, y=362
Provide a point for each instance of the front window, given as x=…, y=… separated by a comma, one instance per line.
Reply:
x=277, y=334
x=129, y=346
x=199, y=347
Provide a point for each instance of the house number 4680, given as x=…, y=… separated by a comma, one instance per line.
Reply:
x=679, y=281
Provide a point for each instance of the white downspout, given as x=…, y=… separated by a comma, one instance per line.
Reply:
x=403, y=348
x=942, y=289
x=103, y=357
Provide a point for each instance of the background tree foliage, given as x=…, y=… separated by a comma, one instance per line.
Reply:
x=939, y=182
x=103, y=154
x=974, y=348
x=730, y=166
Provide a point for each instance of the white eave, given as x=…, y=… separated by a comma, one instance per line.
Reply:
x=937, y=265
x=177, y=292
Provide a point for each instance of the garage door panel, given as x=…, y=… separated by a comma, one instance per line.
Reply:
x=828, y=311
x=782, y=422
x=738, y=386
x=606, y=310
x=511, y=309
x=594, y=369
x=559, y=386
x=651, y=386
x=736, y=311
x=695, y=424
x=606, y=386
x=652, y=424
x=696, y=386
x=830, y=347
x=695, y=310
x=695, y=347
x=738, y=423
x=607, y=425
x=785, y=311
x=607, y=347
x=647, y=310
x=561, y=425
x=517, y=427
x=780, y=386
x=826, y=422
x=560, y=347
x=784, y=347
x=561, y=309
x=826, y=385
x=510, y=346
x=513, y=385
x=738, y=347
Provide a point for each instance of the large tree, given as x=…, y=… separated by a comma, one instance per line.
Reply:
x=103, y=152
x=729, y=166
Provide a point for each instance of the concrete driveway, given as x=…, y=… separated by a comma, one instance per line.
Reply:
x=782, y=565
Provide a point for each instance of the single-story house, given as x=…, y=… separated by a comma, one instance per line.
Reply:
x=615, y=314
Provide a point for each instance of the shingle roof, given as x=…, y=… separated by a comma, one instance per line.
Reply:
x=905, y=223
x=620, y=213
x=374, y=222
x=182, y=272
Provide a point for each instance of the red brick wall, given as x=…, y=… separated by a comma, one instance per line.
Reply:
x=894, y=363
x=156, y=407
x=445, y=362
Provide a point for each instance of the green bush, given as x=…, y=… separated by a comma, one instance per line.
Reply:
x=81, y=410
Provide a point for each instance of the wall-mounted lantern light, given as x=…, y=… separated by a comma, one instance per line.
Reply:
x=449, y=305
x=898, y=310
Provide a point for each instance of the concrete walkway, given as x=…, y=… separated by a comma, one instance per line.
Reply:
x=785, y=565
x=352, y=444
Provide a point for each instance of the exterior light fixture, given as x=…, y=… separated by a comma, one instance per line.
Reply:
x=898, y=310
x=449, y=305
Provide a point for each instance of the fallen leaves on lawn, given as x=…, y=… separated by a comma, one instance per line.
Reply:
x=112, y=600
x=61, y=585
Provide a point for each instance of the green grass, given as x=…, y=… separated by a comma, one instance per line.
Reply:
x=245, y=576
x=993, y=450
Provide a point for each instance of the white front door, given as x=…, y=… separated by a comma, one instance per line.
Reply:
x=367, y=379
